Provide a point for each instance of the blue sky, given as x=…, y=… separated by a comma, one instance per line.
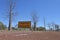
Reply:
x=50, y=9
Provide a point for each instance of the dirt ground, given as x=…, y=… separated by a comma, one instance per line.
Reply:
x=29, y=35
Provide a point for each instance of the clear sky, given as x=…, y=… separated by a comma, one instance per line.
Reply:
x=50, y=9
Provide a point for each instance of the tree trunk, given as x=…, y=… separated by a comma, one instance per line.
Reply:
x=10, y=16
x=34, y=26
x=10, y=22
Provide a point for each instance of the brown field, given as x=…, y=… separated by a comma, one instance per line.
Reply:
x=29, y=35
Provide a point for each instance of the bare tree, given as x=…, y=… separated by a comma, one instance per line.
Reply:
x=34, y=18
x=56, y=27
x=11, y=7
x=49, y=25
x=53, y=25
x=44, y=22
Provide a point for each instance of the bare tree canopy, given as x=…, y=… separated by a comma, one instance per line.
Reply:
x=34, y=18
x=11, y=13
